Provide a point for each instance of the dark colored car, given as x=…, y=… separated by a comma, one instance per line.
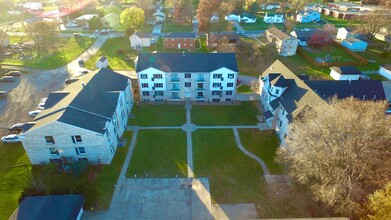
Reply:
x=71, y=80
x=14, y=73
x=81, y=63
x=3, y=94
x=7, y=79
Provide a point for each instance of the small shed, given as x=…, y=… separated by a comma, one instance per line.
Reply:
x=385, y=70
x=140, y=39
x=345, y=73
x=103, y=62
x=50, y=207
x=354, y=44
x=344, y=33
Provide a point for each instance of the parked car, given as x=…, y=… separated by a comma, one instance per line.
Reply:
x=14, y=73
x=16, y=127
x=81, y=63
x=388, y=111
x=3, y=94
x=41, y=106
x=10, y=139
x=7, y=79
x=83, y=71
x=71, y=80
x=34, y=113
x=241, y=33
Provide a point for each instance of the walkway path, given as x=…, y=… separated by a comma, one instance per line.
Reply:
x=188, y=127
x=259, y=160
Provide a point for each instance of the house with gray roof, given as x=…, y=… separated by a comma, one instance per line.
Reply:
x=140, y=40
x=285, y=44
x=203, y=77
x=84, y=121
x=54, y=207
x=284, y=95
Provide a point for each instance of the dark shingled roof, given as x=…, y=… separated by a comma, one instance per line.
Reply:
x=142, y=34
x=279, y=81
x=360, y=89
x=102, y=59
x=304, y=34
x=54, y=98
x=53, y=207
x=248, y=15
x=268, y=114
x=346, y=70
x=187, y=62
x=180, y=35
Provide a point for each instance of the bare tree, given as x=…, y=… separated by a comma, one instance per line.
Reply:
x=223, y=46
x=341, y=152
x=44, y=34
x=372, y=22
x=205, y=10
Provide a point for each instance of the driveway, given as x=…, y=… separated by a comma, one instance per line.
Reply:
x=25, y=94
x=237, y=26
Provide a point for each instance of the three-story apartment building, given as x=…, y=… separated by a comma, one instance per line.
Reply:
x=180, y=76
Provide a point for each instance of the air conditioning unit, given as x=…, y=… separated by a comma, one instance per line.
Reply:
x=222, y=78
x=153, y=88
x=221, y=87
x=153, y=79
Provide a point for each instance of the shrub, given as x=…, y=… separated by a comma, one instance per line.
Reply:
x=385, y=54
x=121, y=51
x=31, y=191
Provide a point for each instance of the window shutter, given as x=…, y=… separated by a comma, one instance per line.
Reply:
x=77, y=150
x=73, y=139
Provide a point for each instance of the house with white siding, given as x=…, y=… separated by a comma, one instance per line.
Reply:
x=84, y=121
x=274, y=18
x=285, y=44
x=345, y=73
x=140, y=40
x=385, y=70
x=308, y=16
x=209, y=77
x=284, y=95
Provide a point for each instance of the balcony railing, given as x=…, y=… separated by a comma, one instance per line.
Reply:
x=174, y=79
x=200, y=98
x=175, y=89
x=200, y=80
x=200, y=89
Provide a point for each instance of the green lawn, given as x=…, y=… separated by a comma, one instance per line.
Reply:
x=259, y=25
x=373, y=53
x=244, y=114
x=244, y=89
x=146, y=28
x=67, y=46
x=116, y=50
x=12, y=179
x=263, y=144
x=233, y=176
x=159, y=153
x=336, y=21
x=332, y=51
x=299, y=66
x=174, y=27
x=158, y=115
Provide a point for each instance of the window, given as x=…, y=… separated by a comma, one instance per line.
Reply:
x=277, y=91
x=230, y=84
x=200, y=85
x=158, y=85
x=217, y=76
x=200, y=93
x=77, y=139
x=215, y=100
x=49, y=139
x=228, y=92
x=158, y=76
x=80, y=150
x=144, y=76
x=54, y=151
x=144, y=85
x=228, y=100
x=216, y=85
x=146, y=93
x=187, y=84
x=216, y=92
x=159, y=93
x=280, y=124
x=231, y=76
x=188, y=75
x=184, y=45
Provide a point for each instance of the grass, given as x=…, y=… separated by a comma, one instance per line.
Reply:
x=373, y=53
x=259, y=25
x=336, y=21
x=263, y=144
x=233, y=176
x=377, y=77
x=331, y=51
x=12, y=179
x=113, y=49
x=158, y=115
x=244, y=114
x=244, y=89
x=159, y=153
x=176, y=27
x=67, y=50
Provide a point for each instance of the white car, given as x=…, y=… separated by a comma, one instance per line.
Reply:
x=34, y=113
x=10, y=139
x=41, y=106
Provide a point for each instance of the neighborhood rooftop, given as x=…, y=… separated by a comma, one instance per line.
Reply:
x=346, y=70
x=278, y=33
x=142, y=34
x=88, y=103
x=180, y=35
x=185, y=62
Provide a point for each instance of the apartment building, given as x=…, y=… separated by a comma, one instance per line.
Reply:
x=200, y=77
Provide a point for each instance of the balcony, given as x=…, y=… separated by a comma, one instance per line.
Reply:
x=200, y=89
x=200, y=80
x=174, y=79
x=175, y=89
x=200, y=98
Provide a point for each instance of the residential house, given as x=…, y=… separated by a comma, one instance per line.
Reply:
x=83, y=20
x=274, y=18
x=303, y=35
x=271, y=6
x=248, y=18
x=284, y=95
x=214, y=18
x=345, y=73
x=84, y=121
x=110, y=20
x=53, y=207
x=140, y=39
x=212, y=39
x=354, y=44
x=102, y=62
x=179, y=40
x=344, y=33
x=232, y=17
x=385, y=70
x=4, y=38
x=159, y=16
x=286, y=45
x=32, y=6
x=308, y=16
x=209, y=77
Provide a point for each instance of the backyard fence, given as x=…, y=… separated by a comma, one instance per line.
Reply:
x=361, y=60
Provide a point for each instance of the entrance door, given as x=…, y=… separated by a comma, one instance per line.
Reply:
x=187, y=94
x=179, y=46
